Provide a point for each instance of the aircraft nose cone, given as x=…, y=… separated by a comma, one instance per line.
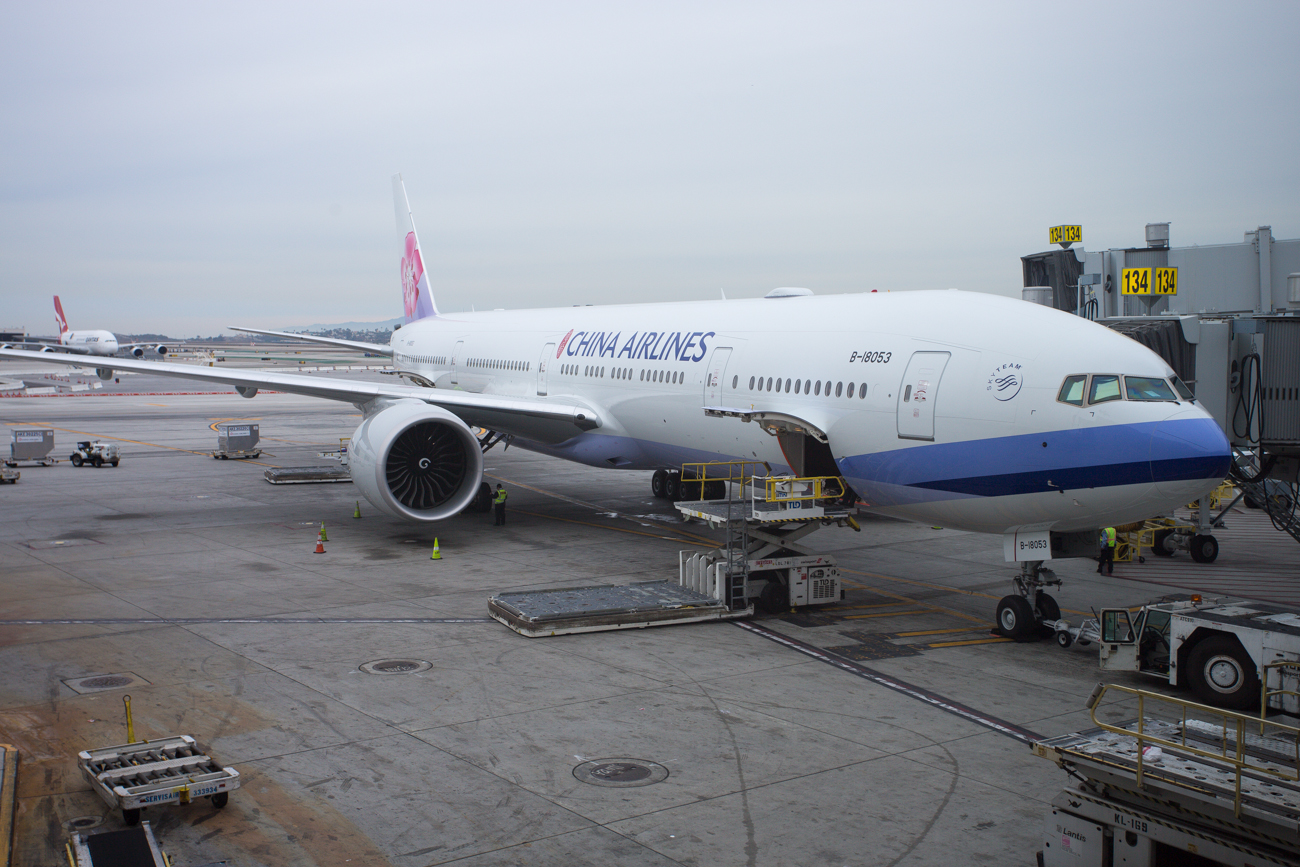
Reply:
x=1189, y=455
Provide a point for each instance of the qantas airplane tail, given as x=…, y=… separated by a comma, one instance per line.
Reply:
x=417, y=298
x=59, y=317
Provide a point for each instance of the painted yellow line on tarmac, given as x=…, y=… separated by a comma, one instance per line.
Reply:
x=143, y=443
x=942, y=587
x=929, y=632
x=972, y=641
x=891, y=614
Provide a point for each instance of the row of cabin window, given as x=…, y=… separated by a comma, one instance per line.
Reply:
x=805, y=386
x=426, y=359
x=497, y=364
x=1106, y=387
x=671, y=376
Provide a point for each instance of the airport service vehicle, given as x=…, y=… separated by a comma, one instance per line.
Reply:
x=32, y=446
x=961, y=409
x=7, y=474
x=1227, y=653
x=170, y=770
x=95, y=453
x=1180, y=784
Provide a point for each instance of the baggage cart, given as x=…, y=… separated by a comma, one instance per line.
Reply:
x=237, y=441
x=31, y=445
x=171, y=770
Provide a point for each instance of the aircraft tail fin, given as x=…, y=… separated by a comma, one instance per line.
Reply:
x=417, y=299
x=59, y=317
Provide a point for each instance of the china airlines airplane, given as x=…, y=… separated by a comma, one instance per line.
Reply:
x=973, y=411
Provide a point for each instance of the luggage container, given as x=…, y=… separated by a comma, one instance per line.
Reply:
x=32, y=445
x=237, y=441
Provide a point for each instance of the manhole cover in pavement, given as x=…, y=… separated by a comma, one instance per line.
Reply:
x=396, y=666
x=98, y=682
x=621, y=772
x=81, y=823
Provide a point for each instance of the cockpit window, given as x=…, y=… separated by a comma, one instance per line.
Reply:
x=1147, y=388
x=1104, y=387
x=1072, y=390
x=1181, y=387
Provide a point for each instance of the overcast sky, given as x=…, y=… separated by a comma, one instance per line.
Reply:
x=176, y=168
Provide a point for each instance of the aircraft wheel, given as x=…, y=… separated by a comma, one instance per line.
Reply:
x=1064, y=639
x=1158, y=546
x=674, y=487
x=1047, y=606
x=1221, y=673
x=1015, y=617
x=659, y=484
x=1204, y=548
x=220, y=799
x=76, y=460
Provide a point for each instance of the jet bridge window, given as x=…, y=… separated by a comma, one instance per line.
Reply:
x=1072, y=390
x=1148, y=388
x=1104, y=388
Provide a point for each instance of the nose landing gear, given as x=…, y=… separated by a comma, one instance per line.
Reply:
x=1023, y=614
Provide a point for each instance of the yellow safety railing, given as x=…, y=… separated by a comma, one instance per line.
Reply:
x=722, y=471
x=1266, y=693
x=784, y=489
x=1232, y=724
x=1132, y=540
x=1224, y=492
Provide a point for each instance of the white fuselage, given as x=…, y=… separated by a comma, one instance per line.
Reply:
x=953, y=416
x=89, y=342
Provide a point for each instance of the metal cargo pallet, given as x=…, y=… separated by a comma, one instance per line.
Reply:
x=596, y=609
x=307, y=475
x=172, y=770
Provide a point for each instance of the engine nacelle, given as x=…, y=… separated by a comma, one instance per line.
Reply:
x=138, y=351
x=416, y=461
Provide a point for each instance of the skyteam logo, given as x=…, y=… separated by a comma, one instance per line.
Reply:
x=1005, y=381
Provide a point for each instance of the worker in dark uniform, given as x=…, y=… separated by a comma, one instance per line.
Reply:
x=499, y=504
x=1107, y=558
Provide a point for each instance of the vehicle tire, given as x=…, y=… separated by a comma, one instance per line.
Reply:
x=774, y=599
x=1047, y=606
x=131, y=817
x=1064, y=639
x=76, y=460
x=1204, y=548
x=1141, y=559
x=484, y=501
x=225, y=457
x=659, y=484
x=1015, y=617
x=1158, y=546
x=1221, y=673
x=96, y=462
x=115, y=461
x=674, y=487
x=220, y=799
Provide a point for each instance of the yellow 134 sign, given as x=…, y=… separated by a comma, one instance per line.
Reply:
x=1141, y=281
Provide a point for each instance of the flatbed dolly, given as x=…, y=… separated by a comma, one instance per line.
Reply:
x=170, y=770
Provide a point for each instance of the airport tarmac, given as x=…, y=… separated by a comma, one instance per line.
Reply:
x=196, y=581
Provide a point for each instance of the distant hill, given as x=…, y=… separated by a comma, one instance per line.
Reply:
x=387, y=324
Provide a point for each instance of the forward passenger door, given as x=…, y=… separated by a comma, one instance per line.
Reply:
x=544, y=364
x=917, y=394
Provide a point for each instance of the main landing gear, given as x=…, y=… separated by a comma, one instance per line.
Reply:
x=669, y=485
x=1022, y=615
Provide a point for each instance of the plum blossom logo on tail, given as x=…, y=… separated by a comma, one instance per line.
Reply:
x=415, y=287
x=1005, y=380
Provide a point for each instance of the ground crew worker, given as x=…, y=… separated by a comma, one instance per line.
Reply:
x=499, y=504
x=1107, y=557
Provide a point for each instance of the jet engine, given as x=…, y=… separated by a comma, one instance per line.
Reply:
x=139, y=351
x=416, y=461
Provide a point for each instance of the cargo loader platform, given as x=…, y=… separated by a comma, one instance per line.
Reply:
x=307, y=475
x=540, y=613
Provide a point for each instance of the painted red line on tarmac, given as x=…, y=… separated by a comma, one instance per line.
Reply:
x=135, y=393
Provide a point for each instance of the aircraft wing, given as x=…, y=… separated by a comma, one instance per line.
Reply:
x=529, y=418
x=375, y=348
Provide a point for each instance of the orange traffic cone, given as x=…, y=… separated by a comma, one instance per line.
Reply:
x=435, y=555
x=320, y=547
